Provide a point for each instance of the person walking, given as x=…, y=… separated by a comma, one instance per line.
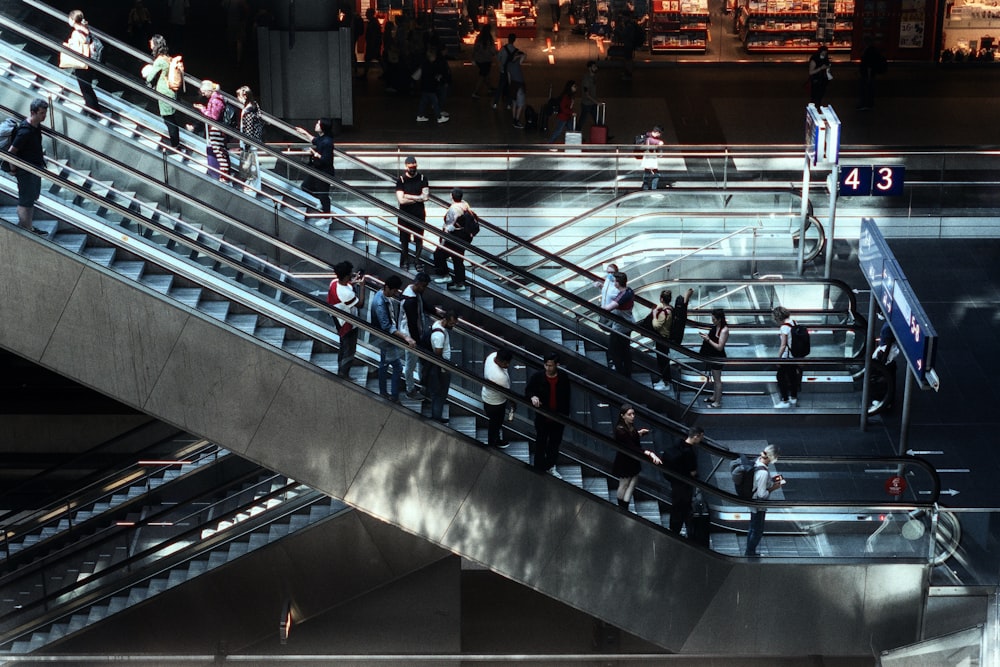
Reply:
x=650, y=164
x=385, y=315
x=412, y=323
x=156, y=74
x=625, y=467
x=820, y=74
x=81, y=41
x=763, y=486
x=495, y=404
x=26, y=144
x=432, y=76
x=713, y=344
x=588, y=87
x=503, y=58
x=680, y=458
x=872, y=64
x=251, y=127
x=320, y=159
x=437, y=377
x=549, y=389
x=789, y=376
x=412, y=190
x=620, y=343
x=347, y=294
x=517, y=88
x=484, y=52
x=564, y=116
x=216, y=151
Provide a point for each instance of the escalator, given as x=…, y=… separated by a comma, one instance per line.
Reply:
x=154, y=344
x=507, y=313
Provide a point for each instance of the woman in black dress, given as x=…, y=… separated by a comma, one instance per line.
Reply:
x=714, y=345
x=626, y=468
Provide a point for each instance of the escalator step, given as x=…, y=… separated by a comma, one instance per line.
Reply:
x=271, y=335
x=245, y=322
x=554, y=335
x=217, y=309
x=131, y=269
x=300, y=348
x=102, y=256
x=71, y=241
x=187, y=295
x=159, y=282
x=597, y=486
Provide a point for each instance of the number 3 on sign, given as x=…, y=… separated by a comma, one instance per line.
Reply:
x=888, y=181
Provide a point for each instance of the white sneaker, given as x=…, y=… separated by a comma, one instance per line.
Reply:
x=660, y=386
x=422, y=119
x=783, y=404
x=443, y=119
x=793, y=401
x=445, y=114
x=554, y=472
x=441, y=279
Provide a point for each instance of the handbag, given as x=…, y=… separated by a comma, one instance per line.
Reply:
x=248, y=165
x=68, y=61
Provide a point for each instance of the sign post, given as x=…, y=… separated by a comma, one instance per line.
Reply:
x=914, y=333
x=822, y=144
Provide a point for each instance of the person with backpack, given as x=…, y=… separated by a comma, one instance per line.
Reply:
x=460, y=223
x=620, y=344
x=713, y=344
x=504, y=56
x=215, y=152
x=157, y=75
x=81, y=41
x=789, y=376
x=681, y=458
x=763, y=485
x=659, y=321
x=626, y=467
x=26, y=143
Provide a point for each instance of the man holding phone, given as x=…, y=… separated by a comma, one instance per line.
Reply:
x=763, y=485
x=346, y=294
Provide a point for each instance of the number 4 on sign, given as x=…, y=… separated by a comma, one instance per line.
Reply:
x=855, y=181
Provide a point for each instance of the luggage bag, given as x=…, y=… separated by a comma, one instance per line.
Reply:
x=599, y=130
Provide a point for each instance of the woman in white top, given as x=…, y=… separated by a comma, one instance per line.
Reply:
x=81, y=42
x=494, y=402
x=789, y=377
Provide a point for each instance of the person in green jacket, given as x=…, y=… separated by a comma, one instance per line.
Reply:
x=156, y=75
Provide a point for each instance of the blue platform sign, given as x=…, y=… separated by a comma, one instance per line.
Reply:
x=914, y=332
x=855, y=181
x=878, y=180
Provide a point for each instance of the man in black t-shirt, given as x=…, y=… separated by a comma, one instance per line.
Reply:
x=412, y=190
x=27, y=145
x=681, y=458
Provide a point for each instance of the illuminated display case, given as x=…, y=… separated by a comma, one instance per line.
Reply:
x=678, y=25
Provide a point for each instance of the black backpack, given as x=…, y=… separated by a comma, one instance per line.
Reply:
x=743, y=469
x=679, y=322
x=798, y=343
x=8, y=130
x=231, y=116
x=467, y=226
x=96, y=49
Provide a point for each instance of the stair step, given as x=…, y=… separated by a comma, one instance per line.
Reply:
x=189, y=296
x=159, y=282
x=271, y=335
x=245, y=322
x=102, y=256
x=131, y=269
x=72, y=241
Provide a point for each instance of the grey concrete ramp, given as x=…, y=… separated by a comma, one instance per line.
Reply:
x=209, y=379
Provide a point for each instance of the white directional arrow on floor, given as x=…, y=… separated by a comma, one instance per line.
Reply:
x=945, y=492
x=917, y=452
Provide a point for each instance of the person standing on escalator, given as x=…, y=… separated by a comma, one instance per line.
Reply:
x=620, y=343
x=763, y=486
x=789, y=376
x=713, y=344
x=626, y=466
x=82, y=42
x=549, y=389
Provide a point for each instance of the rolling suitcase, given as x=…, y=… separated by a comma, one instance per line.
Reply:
x=573, y=136
x=700, y=522
x=599, y=130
